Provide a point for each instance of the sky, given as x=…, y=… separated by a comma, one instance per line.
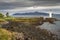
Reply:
x=29, y=5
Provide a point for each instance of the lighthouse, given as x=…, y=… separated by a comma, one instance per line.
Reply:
x=50, y=14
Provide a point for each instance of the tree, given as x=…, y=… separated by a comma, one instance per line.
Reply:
x=1, y=15
x=7, y=14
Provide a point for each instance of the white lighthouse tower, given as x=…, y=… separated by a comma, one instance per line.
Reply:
x=50, y=14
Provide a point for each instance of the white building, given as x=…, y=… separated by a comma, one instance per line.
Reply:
x=50, y=14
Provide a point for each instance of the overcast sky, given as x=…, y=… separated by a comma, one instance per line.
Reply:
x=26, y=5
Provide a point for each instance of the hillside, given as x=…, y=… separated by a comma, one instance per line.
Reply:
x=31, y=13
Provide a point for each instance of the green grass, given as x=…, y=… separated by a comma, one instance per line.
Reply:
x=6, y=19
x=5, y=34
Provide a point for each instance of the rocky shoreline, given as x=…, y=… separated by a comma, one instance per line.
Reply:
x=28, y=30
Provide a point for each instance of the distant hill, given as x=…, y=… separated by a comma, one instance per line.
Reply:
x=56, y=14
x=32, y=13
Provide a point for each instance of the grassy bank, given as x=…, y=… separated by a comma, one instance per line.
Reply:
x=5, y=34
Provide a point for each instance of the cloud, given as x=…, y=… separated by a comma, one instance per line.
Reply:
x=12, y=4
x=7, y=0
x=15, y=4
x=44, y=0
